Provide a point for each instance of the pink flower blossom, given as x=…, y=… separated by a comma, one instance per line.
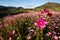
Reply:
x=0, y=23
x=35, y=23
x=55, y=37
x=49, y=14
x=41, y=23
x=5, y=24
x=12, y=21
x=42, y=12
x=54, y=32
x=46, y=10
x=13, y=32
x=52, y=27
x=9, y=38
x=48, y=34
x=10, y=34
x=42, y=38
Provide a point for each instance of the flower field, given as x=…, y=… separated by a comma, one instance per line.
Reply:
x=44, y=25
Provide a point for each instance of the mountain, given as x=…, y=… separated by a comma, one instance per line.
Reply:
x=50, y=5
x=10, y=10
x=6, y=7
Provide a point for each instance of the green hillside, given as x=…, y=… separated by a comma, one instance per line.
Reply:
x=5, y=10
x=50, y=5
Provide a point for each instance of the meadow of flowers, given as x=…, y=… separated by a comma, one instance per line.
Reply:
x=31, y=26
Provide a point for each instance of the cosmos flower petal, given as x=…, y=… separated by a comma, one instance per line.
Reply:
x=46, y=22
x=42, y=26
x=35, y=23
x=41, y=23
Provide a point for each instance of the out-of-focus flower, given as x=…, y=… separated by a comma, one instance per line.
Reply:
x=54, y=24
x=9, y=38
x=58, y=33
x=52, y=21
x=51, y=27
x=0, y=23
x=13, y=32
x=48, y=34
x=5, y=24
x=42, y=12
x=28, y=37
x=49, y=14
x=26, y=23
x=42, y=39
x=31, y=30
x=1, y=38
x=59, y=37
x=12, y=21
x=55, y=37
x=35, y=33
x=1, y=26
x=35, y=23
x=41, y=23
x=2, y=30
x=57, y=27
x=6, y=20
x=10, y=34
x=54, y=32
x=56, y=19
x=46, y=10
x=32, y=34
x=58, y=24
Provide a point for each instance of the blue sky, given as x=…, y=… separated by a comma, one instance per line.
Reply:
x=26, y=3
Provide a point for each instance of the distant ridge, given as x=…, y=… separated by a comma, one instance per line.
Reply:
x=9, y=7
x=50, y=5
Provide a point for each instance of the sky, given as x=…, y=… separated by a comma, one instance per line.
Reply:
x=26, y=3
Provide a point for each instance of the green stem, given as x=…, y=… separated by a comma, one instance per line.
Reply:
x=37, y=37
x=19, y=34
x=41, y=33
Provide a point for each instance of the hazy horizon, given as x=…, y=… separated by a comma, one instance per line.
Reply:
x=25, y=3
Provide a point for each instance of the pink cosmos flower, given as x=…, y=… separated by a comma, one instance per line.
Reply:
x=41, y=23
x=48, y=34
x=9, y=38
x=49, y=14
x=5, y=24
x=13, y=32
x=54, y=32
x=46, y=10
x=0, y=23
x=42, y=39
x=35, y=23
x=53, y=26
x=42, y=12
x=55, y=37
x=12, y=21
